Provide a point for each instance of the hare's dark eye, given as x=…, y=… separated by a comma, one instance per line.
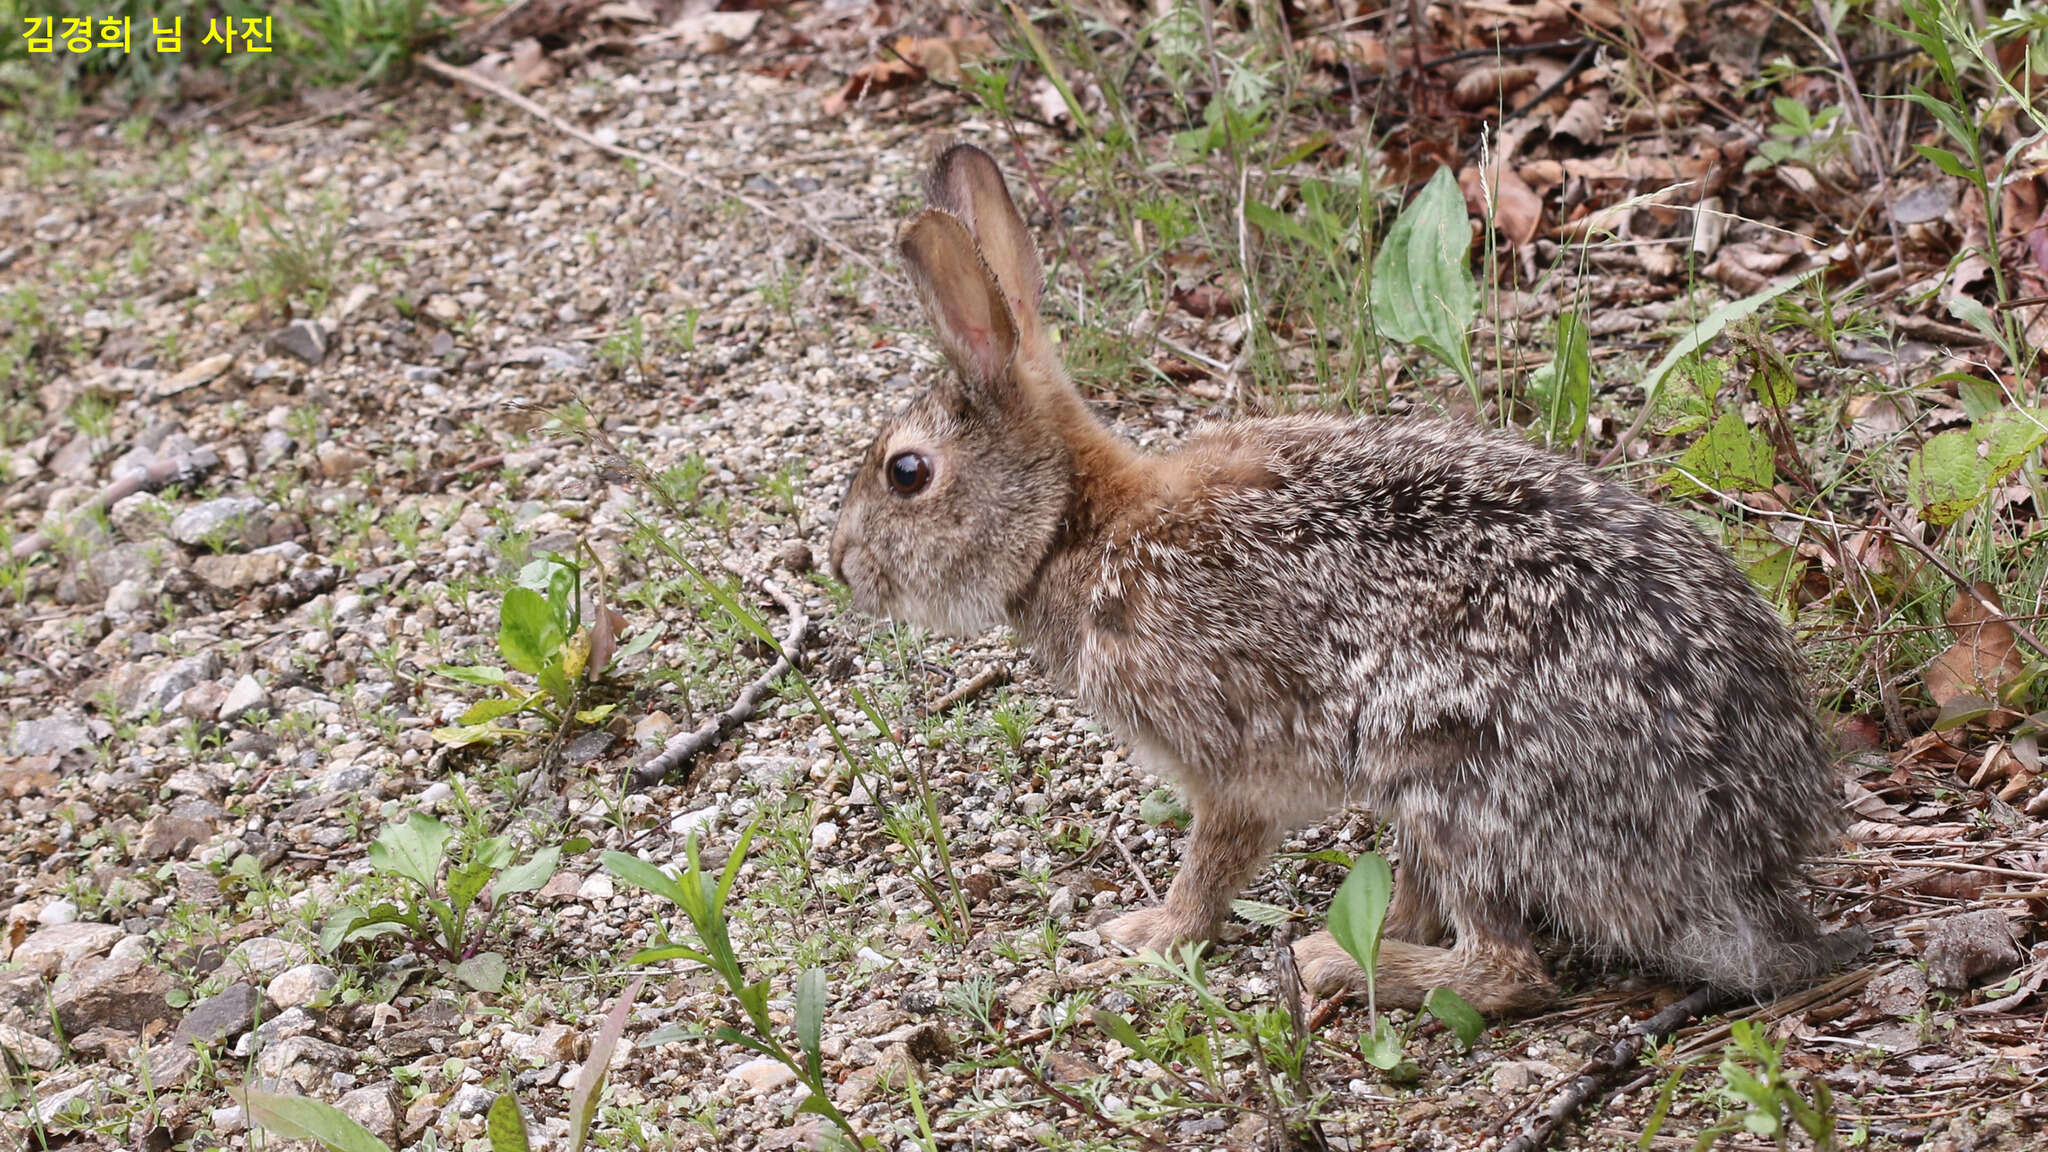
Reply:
x=908, y=473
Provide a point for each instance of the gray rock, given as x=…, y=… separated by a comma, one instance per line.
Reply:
x=299, y=986
x=219, y=1017
x=201, y=701
x=140, y=517
x=248, y=695
x=263, y=957
x=129, y=561
x=172, y=1066
x=232, y=521
x=57, y=912
x=122, y=994
x=177, y=832
x=51, y=735
x=275, y=445
x=302, y=1061
x=61, y=947
x=29, y=1048
x=240, y=571
x=281, y=1027
x=229, y=1120
x=374, y=1106
x=140, y=694
x=472, y=1100
x=301, y=339
x=127, y=598
x=76, y=1100
x=1959, y=949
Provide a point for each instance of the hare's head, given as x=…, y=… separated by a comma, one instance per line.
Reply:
x=958, y=501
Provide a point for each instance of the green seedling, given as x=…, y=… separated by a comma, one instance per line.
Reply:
x=703, y=902
x=1358, y=918
x=541, y=634
x=446, y=918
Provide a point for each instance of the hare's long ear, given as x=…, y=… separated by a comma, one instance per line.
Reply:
x=965, y=181
x=960, y=296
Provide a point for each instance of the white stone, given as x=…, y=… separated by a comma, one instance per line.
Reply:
x=762, y=1076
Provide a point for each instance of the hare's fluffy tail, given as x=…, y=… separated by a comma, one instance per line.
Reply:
x=1769, y=945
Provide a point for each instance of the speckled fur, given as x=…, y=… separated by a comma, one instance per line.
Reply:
x=1572, y=707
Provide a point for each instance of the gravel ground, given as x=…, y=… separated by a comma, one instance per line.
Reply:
x=217, y=694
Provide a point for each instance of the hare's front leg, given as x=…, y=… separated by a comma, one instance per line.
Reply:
x=1226, y=844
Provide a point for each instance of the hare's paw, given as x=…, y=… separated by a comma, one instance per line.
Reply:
x=1326, y=969
x=1159, y=929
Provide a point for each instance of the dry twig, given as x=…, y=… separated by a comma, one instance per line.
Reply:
x=1607, y=1065
x=182, y=469
x=686, y=746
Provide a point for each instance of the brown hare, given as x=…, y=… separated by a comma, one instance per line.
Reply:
x=1573, y=709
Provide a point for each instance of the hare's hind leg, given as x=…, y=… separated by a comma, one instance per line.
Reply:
x=1495, y=969
x=1226, y=844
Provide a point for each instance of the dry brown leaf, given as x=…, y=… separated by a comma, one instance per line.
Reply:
x=1983, y=661
x=1585, y=120
x=715, y=33
x=909, y=60
x=1206, y=301
x=530, y=66
x=1871, y=832
x=1491, y=84
x=1514, y=208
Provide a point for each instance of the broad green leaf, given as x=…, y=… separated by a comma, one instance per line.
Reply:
x=466, y=884
x=1976, y=316
x=530, y=876
x=669, y=952
x=810, y=1015
x=487, y=710
x=642, y=640
x=1422, y=288
x=1710, y=326
x=1454, y=1013
x=1260, y=912
x=1960, y=710
x=413, y=849
x=1948, y=162
x=1120, y=1030
x=468, y=734
x=1562, y=389
x=484, y=972
x=1381, y=1047
x=335, y=931
x=1161, y=807
x=595, y=715
x=300, y=1118
x=1980, y=397
x=528, y=636
x=505, y=1127
x=583, y=1102
x=489, y=676
x=733, y=1035
x=1730, y=457
x=1359, y=910
x=554, y=678
x=1276, y=223
x=639, y=873
x=1946, y=477
x=2008, y=435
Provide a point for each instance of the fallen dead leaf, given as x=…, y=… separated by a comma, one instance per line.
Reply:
x=715, y=33
x=1982, y=663
x=1514, y=207
x=1491, y=85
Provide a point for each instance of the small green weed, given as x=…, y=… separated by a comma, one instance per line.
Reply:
x=449, y=919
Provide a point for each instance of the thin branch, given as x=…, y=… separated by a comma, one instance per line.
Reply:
x=1614, y=1059
x=686, y=746
x=181, y=469
x=988, y=678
